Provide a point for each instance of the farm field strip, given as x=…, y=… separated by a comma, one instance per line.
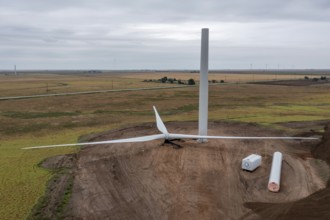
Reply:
x=41, y=84
x=88, y=92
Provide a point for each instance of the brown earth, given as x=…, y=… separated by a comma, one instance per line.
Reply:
x=197, y=181
x=315, y=206
x=322, y=150
x=52, y=204
x=298, y=82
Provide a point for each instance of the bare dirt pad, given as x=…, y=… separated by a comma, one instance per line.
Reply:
x=197, y=181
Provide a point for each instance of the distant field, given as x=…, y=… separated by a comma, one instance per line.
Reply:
x=227, y=77
x=38, y=83
x=54, y=120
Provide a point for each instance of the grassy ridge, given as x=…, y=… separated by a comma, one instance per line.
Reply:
x=57, y=120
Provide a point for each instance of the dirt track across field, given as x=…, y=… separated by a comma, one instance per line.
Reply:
x=197, y=181
x=297, y=82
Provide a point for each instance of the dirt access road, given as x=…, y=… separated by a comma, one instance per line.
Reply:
x=197, y=181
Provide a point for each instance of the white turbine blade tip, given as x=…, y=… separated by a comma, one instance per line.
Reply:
x=160, y=124
x=51, y=146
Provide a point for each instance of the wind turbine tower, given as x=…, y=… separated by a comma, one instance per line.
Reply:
x=203, y=85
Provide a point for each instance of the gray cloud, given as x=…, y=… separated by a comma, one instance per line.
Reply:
x=163, y=34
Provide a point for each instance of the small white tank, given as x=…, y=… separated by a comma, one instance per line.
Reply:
x=251, y=162
x=275, y=173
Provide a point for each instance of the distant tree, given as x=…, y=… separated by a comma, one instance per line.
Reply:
x=323, y=77
x=214, y=81
x=222, y=81
x=306, y=77
x=180, y=82
x=170, y=80
x=191, y=82
x=164, y=79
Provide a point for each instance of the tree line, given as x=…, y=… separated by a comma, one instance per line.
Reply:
x=191, y=81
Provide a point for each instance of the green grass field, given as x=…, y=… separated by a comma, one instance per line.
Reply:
x=55, y=120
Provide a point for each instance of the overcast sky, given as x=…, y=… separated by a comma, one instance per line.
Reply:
x=154, y=34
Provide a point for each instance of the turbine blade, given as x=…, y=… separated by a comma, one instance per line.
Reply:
x=127, y=140
x=188, y=136
x=160, y=124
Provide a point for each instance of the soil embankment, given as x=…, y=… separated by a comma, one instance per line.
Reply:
x=197, y=181
x=51, y=205
x=315, y=206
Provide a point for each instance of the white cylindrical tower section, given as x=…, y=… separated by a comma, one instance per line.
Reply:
x=275, y=173
x=203, y=85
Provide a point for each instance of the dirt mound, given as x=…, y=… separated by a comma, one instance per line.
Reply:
x=315, y=206
x=309, y=128
x=322, y=150
x=197, y=181
x=51, y=205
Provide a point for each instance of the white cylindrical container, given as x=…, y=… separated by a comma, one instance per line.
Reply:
x=275, y=173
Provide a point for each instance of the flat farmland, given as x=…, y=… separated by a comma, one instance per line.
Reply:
x=52, y=83
x=54, y=120
x=227, y=77
x=36, y=84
